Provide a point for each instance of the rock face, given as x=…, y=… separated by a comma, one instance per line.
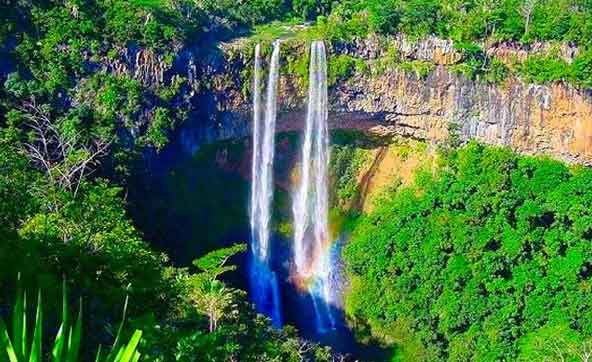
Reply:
x=554, y=120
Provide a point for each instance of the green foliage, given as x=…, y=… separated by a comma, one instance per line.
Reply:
x=15, y=181
x=554, y=343
x=346, y=163
x=113, y=99
x=267, y=33
x=234, y=333
x=389, y=60
x=421, y=17
x=168, y=93
x=582, y=69
x=160, y=126
x=67, y=343
x=473, y=21
x=297, y=66
x=497, y=72
x=421, y=68
x=249, y=338
x=469, y=24
x=311, y=9
x=211, y=296
x=127, y=21
x=480, y=255
x=544, y=69
x=341, y=67
x=213, y=263
x=474, y=61
x=384, y=17
x=476, y=65
x=87, y=235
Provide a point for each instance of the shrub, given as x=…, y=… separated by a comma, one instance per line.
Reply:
x=582, y=69
x=310, y=9
x=346, y=163
x=340, y=67
x=496, y=71
x=421, y=68
x=159, y=128
x=543, y=69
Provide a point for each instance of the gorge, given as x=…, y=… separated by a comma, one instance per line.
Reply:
x=295, y=181
x=407, y=106
x=388, y=108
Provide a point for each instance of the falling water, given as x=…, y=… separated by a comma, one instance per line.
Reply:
x=264, y=284
x=310, y=205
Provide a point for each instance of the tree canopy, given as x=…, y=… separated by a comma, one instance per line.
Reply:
x=479, y=260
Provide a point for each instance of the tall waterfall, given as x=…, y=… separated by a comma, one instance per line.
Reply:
x=312, y=244
x=264, y=283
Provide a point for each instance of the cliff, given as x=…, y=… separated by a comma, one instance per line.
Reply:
x=381, y=97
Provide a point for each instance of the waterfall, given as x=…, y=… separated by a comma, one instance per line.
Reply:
x=264, y=283
x=313, y=264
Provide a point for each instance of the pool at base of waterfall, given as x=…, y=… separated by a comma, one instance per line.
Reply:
x=298, y=310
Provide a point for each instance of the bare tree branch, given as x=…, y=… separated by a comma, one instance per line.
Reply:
x=65, y=157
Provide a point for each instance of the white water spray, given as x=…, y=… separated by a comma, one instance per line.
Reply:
x=311, y=203
x=264, y=284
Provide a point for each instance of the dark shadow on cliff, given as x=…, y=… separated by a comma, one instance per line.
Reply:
x=360, y=196
x=193, y=205
x=189, y=204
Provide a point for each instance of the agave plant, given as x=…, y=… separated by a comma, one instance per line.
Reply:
x=66, y=347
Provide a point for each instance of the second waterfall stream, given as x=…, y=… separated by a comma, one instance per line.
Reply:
x=312, y=240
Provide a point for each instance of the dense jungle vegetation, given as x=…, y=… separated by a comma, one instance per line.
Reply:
x=487, y=259
x=493, y=252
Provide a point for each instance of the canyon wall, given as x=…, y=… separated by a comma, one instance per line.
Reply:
x=554, y=120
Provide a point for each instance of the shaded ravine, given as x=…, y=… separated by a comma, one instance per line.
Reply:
x=183, y=212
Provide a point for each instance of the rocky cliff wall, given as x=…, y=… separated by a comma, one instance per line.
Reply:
x=554, y=120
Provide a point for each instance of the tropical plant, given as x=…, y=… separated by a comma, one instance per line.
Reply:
x=66, y=347
x=211, y=296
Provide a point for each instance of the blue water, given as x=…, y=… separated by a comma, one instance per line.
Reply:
x=264, y=291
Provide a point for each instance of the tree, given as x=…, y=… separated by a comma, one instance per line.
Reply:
x=211, y=296
x=526, y=9
x=310, y=9
x=57, y=148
